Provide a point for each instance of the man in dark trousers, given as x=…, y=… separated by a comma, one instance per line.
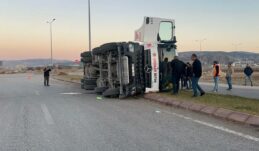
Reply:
x=248, y=73
x=46, y=76
x=177, y=68
x=197, y=73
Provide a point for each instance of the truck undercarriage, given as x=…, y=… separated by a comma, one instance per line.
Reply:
x=130, y=68
x=115, y=69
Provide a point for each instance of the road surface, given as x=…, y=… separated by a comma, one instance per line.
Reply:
x=238, y=90
x=63, y=117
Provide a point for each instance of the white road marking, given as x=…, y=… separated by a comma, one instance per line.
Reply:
x=71, y=93
x=158, y=111
x=47, y=115
x=249, y=137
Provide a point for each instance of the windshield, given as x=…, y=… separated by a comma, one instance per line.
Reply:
x=166, y=31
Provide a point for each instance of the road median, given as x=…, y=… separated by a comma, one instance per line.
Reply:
x=227, y=112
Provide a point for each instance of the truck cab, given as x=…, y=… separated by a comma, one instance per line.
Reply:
x=157, y=35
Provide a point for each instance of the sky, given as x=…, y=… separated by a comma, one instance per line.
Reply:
x=24, y=32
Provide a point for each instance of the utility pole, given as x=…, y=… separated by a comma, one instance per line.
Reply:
x=89, y=22
x=51, y=48
x=201, y=41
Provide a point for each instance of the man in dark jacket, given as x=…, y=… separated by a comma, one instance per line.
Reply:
x=46, y=76
x=197, y=73
x=164, y=71
x=177, y=68
x=248, y=73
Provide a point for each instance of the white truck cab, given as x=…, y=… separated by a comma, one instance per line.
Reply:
x=157, y=35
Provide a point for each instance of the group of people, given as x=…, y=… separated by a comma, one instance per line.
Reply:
x=248, y=71
x=188, y=73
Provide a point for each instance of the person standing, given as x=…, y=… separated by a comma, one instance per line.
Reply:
x=177, y=68
x=197, y=73
x=248, y=74
x=189, y=75
x=46, y=76
x=165, y=72
x=229, y=73
x=216, y=74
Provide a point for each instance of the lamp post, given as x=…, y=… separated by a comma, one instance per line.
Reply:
x=89, y=24
x=51, y=48
x=200, y=41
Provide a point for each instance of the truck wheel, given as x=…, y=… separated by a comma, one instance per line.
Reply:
x=109, y=46
x=100, y=90
x=90, y=81
x=82, y=80
x=97, y=51
x=89, y=87
x=86, y=60
x=82, y=86
x=87, y=54
x=112, y=92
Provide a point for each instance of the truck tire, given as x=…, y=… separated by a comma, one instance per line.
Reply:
x=115, y=92
x=109, y=47
x=87, y=54
x=82, y=80
x=89, y=87
x=90, y=81
x=82, y=83
x=97, y=51
x=86, y=60
x=100, y=90
x=82, y=86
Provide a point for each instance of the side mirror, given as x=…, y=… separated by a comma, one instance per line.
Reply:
x=158, y=38
x=147, y=20
x=174, y=39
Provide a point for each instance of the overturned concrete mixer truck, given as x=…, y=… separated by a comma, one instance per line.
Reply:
x=122, y=69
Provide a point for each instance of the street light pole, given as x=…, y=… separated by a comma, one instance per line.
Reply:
x=51, y=48
x=89, y=22
x=201, y=41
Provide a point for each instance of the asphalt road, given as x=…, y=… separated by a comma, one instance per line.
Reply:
x=63, y=117
x=238, y=90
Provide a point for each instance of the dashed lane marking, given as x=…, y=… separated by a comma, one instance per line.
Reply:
x=47, y=114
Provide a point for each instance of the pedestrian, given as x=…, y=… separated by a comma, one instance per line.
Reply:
x=177, y=68
x=164, y=71
x=197, y=73
x=46, y=70
x=248, y=74
x=229, y=73
x=189, y=75
x=216, y=75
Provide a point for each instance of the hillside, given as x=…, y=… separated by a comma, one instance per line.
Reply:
x=223, y=57
x=34, y=62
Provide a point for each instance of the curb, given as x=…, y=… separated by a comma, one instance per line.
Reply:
x=65, y=80
x=221, y=113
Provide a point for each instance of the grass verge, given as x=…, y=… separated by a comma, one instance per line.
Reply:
x=250, y=106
